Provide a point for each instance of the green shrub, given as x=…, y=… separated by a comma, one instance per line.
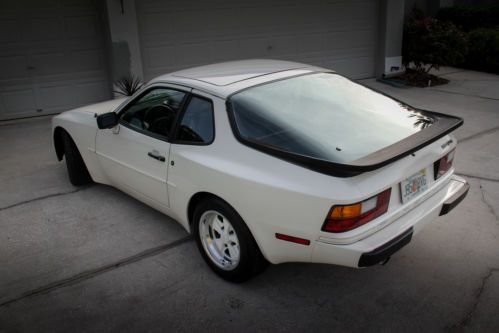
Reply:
x=429, y=43
x=470, y=17
x=483, y=50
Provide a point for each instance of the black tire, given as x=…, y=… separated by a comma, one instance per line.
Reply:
x=77, y=170
x=251, y=260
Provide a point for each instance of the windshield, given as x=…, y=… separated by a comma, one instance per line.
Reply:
x=324, y=116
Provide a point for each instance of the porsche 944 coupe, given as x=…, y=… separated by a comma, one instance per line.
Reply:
x=271, y=161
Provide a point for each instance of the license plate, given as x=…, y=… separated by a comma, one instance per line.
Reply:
x=411, y=187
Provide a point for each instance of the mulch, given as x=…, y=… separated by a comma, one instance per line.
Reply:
x=420, y=79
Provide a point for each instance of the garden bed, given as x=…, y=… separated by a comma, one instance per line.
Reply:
x=419, y=79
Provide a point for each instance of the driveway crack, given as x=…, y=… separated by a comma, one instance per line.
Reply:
x=467, y=95
x=86, y=275
x=469, y=315
x=489, y=206
x=44, y=197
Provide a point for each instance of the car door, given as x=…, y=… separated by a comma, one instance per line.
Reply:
x=134, y=154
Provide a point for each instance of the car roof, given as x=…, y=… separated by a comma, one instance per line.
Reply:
x=226, y=78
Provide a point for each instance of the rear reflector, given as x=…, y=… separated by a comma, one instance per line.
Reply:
x=444, y=164
x=343, y=218
x=292, y=239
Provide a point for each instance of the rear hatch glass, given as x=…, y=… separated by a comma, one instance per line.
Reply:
x=324, y=117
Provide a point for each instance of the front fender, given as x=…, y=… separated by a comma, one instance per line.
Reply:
x=82, y=128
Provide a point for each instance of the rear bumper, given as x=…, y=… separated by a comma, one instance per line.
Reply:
x=455, y=199
x=385, y=242
x=386, y=250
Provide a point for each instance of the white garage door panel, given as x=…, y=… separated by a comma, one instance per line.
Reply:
x=8, y=31
x=56, y=55
x=68, y=63
x=59, y=97
x=13, y=66
x=49, y=63
x=336, y=34
x=19, y=100
x=87, y=60
x=92, y=91
x=81, y=27
x=158, y=56
x=352, y=67
x=51, y=97
x=56, y=96
x=224, y=49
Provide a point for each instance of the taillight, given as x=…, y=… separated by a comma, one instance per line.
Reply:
x=443, y=165
x=343, y=218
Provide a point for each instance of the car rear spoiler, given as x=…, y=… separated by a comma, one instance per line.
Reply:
x=443, y=125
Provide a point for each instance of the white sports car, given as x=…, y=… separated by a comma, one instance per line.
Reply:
x=271, y=161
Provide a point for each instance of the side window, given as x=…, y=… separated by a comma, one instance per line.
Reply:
x=155, y=111
x=197, y=123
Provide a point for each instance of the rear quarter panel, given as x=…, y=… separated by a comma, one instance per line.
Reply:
x=273, y=195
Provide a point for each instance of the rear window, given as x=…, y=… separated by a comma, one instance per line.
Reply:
x=324, y=116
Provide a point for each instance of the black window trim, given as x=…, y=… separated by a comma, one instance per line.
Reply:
x=178, y=121
x=172, y=139
x=139, y=96
x=443, y=125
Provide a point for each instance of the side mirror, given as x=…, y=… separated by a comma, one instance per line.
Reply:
x=107, y=120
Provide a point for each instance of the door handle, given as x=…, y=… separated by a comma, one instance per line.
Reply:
x=156, y=156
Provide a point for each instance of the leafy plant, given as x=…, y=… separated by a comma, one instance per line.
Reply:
x=429, y=43
x=483, y=45
x=470, y=17
x=127, y=86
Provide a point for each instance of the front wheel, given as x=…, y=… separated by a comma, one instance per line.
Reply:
x=77, y=171
x=225, y=241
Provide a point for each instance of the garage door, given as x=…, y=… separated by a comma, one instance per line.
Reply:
x=340, y=35
x=51, y=56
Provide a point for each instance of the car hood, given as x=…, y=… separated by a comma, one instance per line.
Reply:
x=100, y=108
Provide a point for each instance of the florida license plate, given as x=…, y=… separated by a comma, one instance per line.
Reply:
x=411, y=187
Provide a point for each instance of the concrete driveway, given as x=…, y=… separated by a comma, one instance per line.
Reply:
x=94, y=259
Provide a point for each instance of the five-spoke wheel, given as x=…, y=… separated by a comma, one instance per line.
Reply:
x=219, y=240
x=225, y=241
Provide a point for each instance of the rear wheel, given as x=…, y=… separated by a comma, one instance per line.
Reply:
x=225, y=241
x=77, y=170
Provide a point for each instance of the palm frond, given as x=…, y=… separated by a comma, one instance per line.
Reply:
x=128, y=85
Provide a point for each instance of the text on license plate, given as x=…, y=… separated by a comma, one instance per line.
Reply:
x=413, y=185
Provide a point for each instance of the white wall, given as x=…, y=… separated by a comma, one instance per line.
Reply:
x=391, y=25
x=125, y=47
